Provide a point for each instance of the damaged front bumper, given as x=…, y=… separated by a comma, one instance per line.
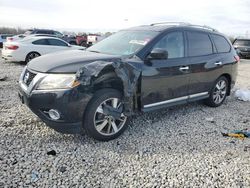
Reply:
x=70, y=104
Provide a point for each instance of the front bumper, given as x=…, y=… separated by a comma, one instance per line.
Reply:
x=71, y=104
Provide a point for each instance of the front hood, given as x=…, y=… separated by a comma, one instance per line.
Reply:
x=67, y=61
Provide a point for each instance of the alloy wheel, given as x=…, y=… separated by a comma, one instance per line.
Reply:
x=105, y=123
x=219, y=92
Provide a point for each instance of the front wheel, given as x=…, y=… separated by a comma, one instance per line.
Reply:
x=218, y=93
x=104, y=119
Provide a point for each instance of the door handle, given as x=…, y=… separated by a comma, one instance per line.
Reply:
x=218, y=63
x=184, y=68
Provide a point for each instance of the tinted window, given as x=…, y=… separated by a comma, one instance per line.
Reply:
x=44, y=32
x=55, y=42
x=199, y=44
x=221, y=44
x=173, y=44
x=242, y=42
x=40, y=42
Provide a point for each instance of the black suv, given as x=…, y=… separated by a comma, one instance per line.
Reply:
x=53, y=33
x=139, y=69
x=242, y=47
x=43, y=31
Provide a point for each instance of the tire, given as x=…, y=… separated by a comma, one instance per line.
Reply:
x=30, y=56
x=101, y=125
x=218, y=93
x=84, y=44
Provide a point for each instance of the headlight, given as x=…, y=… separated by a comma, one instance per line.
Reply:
x=58, y=81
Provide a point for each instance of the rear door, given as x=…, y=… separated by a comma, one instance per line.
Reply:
x=205, y=64
x=165, y=82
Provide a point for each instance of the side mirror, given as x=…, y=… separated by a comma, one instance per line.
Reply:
x=69, y=45
x=158, y=53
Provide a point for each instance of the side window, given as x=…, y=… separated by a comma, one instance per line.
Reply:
x=40, y=42
x=199, y=44
x=221, y=44
x=173, y=43
x=55, y=42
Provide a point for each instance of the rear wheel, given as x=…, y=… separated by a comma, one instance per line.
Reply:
x=218, y=93
x=104, y=119
x=31, y=56
x=84, y=44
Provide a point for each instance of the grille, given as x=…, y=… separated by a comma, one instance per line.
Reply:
x=28, y=77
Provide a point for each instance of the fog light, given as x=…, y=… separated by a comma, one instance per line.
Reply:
x=54, y=114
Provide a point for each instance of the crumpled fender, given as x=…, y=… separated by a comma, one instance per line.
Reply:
x=125, y=71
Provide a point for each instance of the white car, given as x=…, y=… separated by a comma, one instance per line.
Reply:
x=32, y=47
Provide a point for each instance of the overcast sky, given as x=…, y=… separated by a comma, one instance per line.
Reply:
x=228, y=16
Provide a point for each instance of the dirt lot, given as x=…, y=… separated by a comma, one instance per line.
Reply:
x=178, y=147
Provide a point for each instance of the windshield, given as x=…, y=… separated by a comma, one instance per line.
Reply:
x=123, y=42
x=242, y=42
x=28, y=32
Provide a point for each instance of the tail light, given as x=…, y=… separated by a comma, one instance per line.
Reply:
x=237, y=58
x=12, y=47
x=9, y=38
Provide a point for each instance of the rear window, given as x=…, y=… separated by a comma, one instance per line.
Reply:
x=40, y=42
x=199, y=44
x=242, y=42
x=221, y=44
x=44, y=32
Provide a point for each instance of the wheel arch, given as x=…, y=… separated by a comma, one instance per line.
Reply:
x=117, y=75
x=108, y=78
x=33, y=52
x=26, y=57
x=229, y=79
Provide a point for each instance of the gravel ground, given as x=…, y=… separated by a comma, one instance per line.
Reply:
x=178, y=147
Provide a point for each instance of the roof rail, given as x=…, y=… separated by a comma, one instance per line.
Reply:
x=204, y=27
x=170, y=23
x=184, y=24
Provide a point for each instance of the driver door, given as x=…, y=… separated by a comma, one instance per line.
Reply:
x=165, y=81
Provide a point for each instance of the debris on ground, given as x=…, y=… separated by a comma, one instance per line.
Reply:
x=247, y=148
x=210, y=119
x=237, y=134
x=243, y=94
x=34, y=176
x=3, y=78
x=52, y=152
x=63, y=169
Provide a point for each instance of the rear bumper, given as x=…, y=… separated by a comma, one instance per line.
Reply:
x=8, y=55
x=71, y=105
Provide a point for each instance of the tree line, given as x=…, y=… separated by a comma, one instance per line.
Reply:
x=10, y=30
